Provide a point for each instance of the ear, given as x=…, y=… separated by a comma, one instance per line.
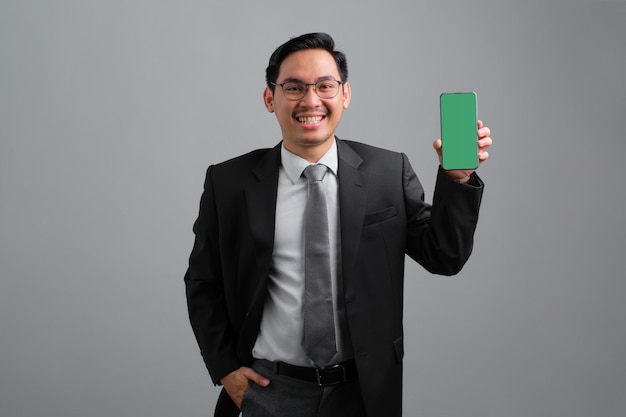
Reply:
x=347, y=94
x=268, y=99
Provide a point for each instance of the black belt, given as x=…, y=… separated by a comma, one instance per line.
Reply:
x=331, y=375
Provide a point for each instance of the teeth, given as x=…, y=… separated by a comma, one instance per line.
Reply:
x=310, y=120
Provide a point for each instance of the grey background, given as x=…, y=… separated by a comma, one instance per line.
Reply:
x=110, y=112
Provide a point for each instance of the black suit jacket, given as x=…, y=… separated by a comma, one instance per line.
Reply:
x=383, y=216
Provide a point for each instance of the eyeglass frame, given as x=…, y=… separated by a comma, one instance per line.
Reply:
x=306, y=85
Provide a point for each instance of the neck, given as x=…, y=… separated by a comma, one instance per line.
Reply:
x=312, y=152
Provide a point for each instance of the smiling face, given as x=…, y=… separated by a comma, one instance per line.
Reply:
x=308, y=125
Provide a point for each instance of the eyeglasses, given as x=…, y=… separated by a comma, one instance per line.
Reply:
x=296, y=90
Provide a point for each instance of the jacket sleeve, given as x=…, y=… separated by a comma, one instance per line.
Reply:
x=440, y=237
x=204, y=285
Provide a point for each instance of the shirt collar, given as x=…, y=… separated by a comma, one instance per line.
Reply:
x=295, y=165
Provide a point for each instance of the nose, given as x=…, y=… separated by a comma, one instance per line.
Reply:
x=310, y=95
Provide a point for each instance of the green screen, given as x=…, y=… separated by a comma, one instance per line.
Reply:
x=459, y=131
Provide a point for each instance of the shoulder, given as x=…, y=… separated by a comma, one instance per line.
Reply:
x=371, y=155
x=262, y=161
x=249, y=159
x=365, y=149
x=239, y=172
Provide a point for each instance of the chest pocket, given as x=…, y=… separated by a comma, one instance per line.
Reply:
x=379, y=216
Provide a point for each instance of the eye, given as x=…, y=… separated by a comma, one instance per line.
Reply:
x=293, y=87
x=326, y=85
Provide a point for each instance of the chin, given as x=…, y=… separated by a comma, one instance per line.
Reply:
x=314, y=141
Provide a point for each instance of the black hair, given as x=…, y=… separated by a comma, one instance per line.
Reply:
x=307, y=41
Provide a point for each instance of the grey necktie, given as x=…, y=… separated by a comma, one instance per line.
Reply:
x=319, y=324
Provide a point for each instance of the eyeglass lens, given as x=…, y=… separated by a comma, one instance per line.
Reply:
x=325, y=89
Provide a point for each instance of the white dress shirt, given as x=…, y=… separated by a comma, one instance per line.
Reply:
x=280, y=335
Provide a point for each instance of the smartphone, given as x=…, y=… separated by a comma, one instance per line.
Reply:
x=459, y=132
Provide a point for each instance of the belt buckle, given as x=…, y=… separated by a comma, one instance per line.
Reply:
x=332, y=375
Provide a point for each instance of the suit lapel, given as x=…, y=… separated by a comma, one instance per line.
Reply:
x=352, y=199
x=261, y=206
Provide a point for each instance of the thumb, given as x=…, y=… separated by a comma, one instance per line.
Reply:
x=437, y=144
x=256, y=377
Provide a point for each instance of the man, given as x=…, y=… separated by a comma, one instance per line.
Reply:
x=247, y=294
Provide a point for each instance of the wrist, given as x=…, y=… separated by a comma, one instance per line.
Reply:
x=464, y=180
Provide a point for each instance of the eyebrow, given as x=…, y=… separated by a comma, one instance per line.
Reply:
x=323, y=78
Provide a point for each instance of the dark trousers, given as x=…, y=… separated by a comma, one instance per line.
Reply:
x=289, y=397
